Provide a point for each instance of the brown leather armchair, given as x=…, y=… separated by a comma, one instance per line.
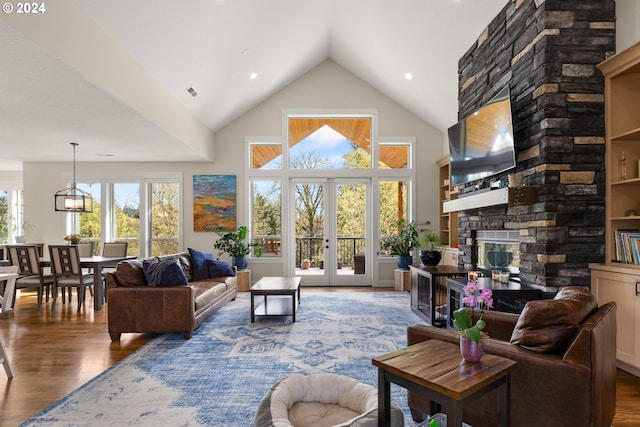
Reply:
x=573, y=386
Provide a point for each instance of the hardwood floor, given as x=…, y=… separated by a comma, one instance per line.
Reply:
x=54, y=351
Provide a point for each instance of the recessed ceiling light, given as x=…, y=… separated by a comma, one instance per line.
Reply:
x=253, y=76
x=408, y=76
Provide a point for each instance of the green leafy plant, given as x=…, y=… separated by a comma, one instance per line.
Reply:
x=407, y=239
x=430, y=239
x=233, y=242
x=462, y=319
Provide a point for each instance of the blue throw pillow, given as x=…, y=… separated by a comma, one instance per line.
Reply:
x=219, y=268
x=163, y=273
x=199, y=269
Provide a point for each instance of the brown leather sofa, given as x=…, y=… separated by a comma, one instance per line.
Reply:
x=573, y=384
x=134, y=306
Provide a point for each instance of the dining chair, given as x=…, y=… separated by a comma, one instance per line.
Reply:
x=67, y=272
x=85, y=249
x=27, y=259
x=112, y=249
x=115, y=248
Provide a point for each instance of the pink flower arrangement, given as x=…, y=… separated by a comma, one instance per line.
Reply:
x=473, y=297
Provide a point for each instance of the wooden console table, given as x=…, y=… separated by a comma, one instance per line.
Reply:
x=436, y=370
x=429, y=291
x=508, y=297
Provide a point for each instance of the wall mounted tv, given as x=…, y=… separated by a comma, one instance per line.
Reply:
x=481, y=145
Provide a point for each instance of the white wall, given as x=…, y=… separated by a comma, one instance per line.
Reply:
x=627, y=23
x=327, y=86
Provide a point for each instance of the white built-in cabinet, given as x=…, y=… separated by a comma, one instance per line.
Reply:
x=623, y=287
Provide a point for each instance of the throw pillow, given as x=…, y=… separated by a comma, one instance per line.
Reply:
x=199, y=268
x=547, y=326
x=219, y=268
x=164, y=273
x=130, y=273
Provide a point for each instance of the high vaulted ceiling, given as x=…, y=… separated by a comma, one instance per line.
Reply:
x=112, y=75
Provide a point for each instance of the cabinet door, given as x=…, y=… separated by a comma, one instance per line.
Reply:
x=621, y=288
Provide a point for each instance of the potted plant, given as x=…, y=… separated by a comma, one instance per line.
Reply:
x=403, y=243
x=233, y=242
x=430, y=241
x=305, y=264
x=21, y=229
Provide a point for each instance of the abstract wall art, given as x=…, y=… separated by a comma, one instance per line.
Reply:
x=214, y=202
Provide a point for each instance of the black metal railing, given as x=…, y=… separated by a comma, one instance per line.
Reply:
x=312, y=249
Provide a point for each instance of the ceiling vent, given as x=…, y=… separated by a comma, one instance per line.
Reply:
x=192, y=91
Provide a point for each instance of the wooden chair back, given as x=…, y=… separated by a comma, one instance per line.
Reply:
x=115, y=249
x=26, y=258
x=65, y=260
x=85, y=249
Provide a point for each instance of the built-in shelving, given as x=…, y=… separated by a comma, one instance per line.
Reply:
x=448, y=221
x=614, y=280
x=622, y=122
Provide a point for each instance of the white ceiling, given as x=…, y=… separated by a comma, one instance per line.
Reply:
x=108, y=74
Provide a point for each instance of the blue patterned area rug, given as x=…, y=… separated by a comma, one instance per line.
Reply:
x=219, y=377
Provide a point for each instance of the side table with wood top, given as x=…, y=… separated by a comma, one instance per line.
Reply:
x=436, y=370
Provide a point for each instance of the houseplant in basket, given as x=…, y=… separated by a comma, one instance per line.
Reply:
x=233, y=242
x=471, y=335
x=402, y=244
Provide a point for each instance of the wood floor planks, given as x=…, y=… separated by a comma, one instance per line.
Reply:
x=54, y=351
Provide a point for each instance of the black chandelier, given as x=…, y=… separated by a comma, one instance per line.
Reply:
x=73, y=199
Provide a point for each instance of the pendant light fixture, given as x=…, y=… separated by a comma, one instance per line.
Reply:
x=73, y=199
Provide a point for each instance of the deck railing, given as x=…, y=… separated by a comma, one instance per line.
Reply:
x=311, y=248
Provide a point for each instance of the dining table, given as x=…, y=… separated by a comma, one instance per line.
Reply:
x=6, y=300
x=96, y=263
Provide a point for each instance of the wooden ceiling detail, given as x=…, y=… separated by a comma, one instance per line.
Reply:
x=357, y=130
x=263, y=154
x=394, y=156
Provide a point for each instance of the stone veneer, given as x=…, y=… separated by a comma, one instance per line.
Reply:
x=547, y=51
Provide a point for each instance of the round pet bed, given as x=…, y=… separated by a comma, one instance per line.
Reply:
x=322, y=400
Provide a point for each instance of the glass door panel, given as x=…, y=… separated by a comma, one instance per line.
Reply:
x=331, y=229
x=309, y=231
x=350, y=225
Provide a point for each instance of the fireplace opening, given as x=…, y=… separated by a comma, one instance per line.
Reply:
x=497, y=254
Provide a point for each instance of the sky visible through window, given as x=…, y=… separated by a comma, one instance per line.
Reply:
x=327, y=144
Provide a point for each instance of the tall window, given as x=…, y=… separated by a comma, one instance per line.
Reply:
x=4, y=216
x=126, y=221
x=266, y=215
x=144, y=213
x=393, y=205
x=165, y=216
x=90, y=223
x=13, y=222
x=344, y=147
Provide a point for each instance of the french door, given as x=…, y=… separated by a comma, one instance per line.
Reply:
x=331, y=226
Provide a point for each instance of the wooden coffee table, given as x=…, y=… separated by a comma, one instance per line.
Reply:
x=280, y=288
x=436, y=370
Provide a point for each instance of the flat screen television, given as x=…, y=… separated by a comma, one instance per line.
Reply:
x=481, y=145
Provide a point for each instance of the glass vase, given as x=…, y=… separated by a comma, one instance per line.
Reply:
x=471, y=351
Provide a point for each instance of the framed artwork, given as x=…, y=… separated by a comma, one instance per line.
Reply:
x=214, y=202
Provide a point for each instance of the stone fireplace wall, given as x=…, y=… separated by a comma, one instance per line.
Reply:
x=547, y=51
